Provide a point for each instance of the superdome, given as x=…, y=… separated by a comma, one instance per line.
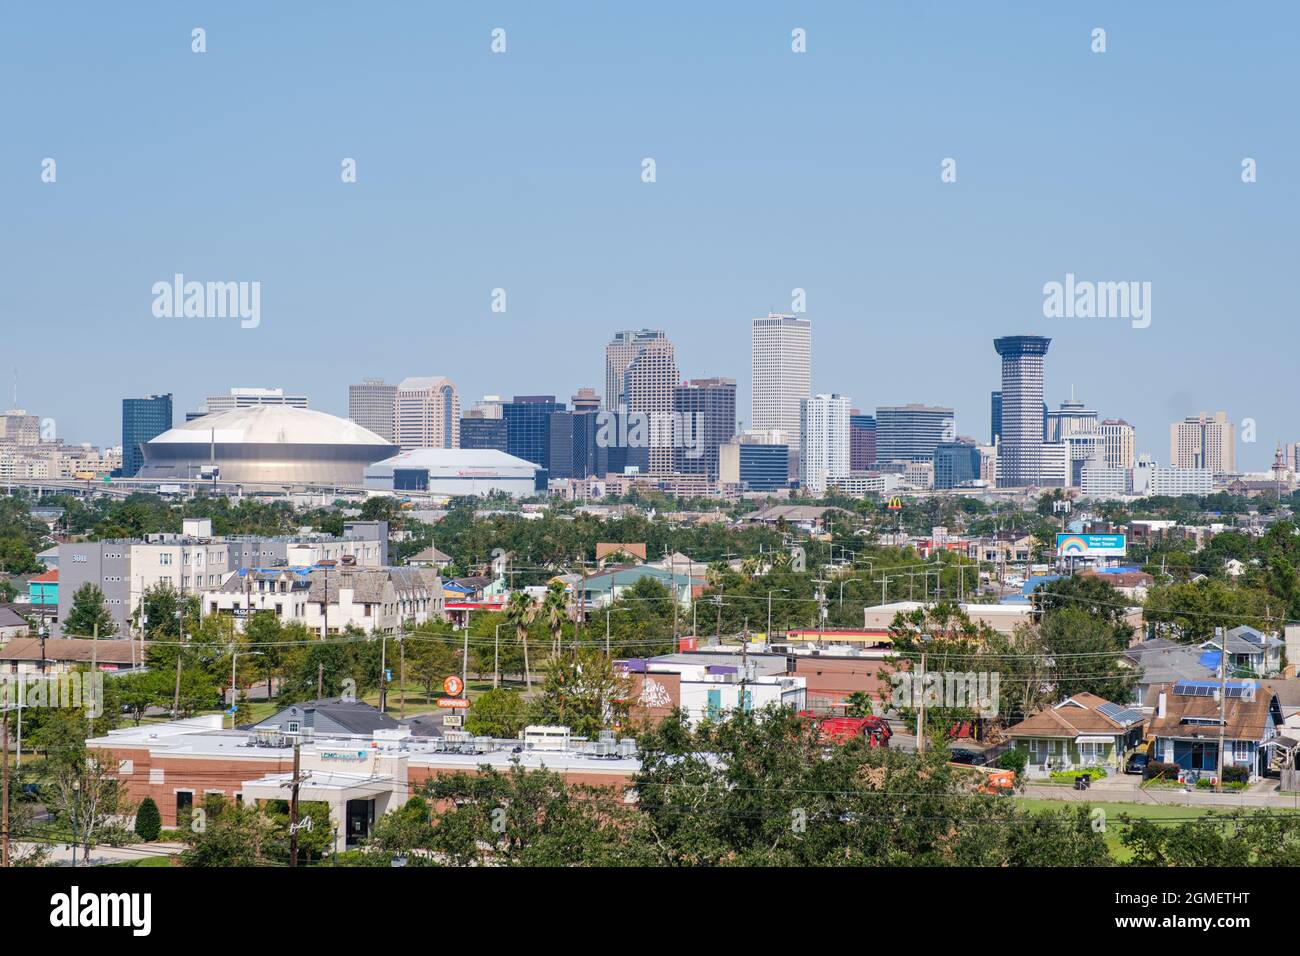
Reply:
x=274, y=444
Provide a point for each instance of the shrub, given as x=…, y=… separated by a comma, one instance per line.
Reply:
x=1014, y=759
x=1236, y=773
x=148, y=821
x=1069, y=776
x=1166, y=771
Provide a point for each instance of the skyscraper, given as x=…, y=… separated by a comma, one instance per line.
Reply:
x=1204, y=441
x=1020, y=455
x=1119, y=443
x=862, y=440
x=427, y=413
x=647, y=389
x=528, y=427
x=781, y=359
x=912, y=432
x=705, y=410
x=619, y=353
x=143, y=419
x=824, y=448
x=372, y=405
x=995, y=430
x=956, y=463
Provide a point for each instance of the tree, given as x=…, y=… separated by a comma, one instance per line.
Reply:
x=497, y=713
x=1086, y=654
x=82, y=788
x=555, y=611
x=141, y=690
x=520, y=613
x=148, y=821
x=231, y=835
x=586, y=693
x=88, y=610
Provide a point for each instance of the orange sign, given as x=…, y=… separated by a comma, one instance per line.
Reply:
x=454, y=702
x=453, y=685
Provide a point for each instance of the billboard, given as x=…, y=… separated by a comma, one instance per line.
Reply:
x=1091, y=545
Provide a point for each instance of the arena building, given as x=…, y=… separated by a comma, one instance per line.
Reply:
x=457, y=471
x=272, y=444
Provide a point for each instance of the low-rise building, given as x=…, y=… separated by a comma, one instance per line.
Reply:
x=1187, y=725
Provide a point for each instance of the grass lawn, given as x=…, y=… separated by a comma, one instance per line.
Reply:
x=146, y=861
x=1114, y=829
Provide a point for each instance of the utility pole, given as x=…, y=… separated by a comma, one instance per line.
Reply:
x=293, y=804
x=180, y=617
x=94, y=669
x=464, y=660
x=401, y=691
x=920, y=719
x=383, y=674
x=4, y=784
x=320, y=681
x=1223, y=699
x=496, y=659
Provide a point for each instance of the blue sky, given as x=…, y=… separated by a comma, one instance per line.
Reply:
x=775, y=170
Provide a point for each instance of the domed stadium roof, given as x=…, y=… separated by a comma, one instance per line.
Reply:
x=270, y=425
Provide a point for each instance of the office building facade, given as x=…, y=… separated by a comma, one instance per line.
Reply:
x=1020, y=456
x=143, y=419
x=427, y=414
x=862, y=440
x=373, y=405
x=1119, y=443
x=781, y=366
x=956, y=464
x=912, y=432
x=705, y=413
x=1204, y=441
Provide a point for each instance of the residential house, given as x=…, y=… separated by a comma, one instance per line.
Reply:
x=1189, y=718
x=1162, y=661
x=1081, y=731
x=1250, y=652
x=12, y=624
x=374, y=600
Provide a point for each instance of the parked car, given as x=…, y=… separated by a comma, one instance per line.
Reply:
x=1137, y=763
x=962, y=755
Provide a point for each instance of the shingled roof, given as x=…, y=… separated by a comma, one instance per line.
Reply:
x=1078, y=716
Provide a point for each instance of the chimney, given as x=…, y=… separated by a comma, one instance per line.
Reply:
x=1160, y=705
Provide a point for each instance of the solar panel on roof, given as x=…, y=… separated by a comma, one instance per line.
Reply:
x=1194, y=689
x=1121, y=715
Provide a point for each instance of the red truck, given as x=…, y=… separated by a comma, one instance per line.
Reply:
x=840, y=729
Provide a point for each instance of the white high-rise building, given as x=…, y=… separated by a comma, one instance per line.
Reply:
x=427, y=414
x=1204, y=441
x=620, y=352
x=1021, y=458
x=781, y=356
x=824, y=442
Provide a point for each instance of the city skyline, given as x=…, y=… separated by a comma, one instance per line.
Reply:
x=906, y=277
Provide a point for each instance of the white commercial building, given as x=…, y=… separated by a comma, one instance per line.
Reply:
x=781, y=358
x=455, y=472
x=824, y=441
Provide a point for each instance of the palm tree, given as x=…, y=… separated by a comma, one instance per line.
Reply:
x=555, y=608
x=520, y=612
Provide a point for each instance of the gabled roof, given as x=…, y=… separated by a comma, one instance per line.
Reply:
x=354, y=716
x=1081, y=715
x=1244, y=718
